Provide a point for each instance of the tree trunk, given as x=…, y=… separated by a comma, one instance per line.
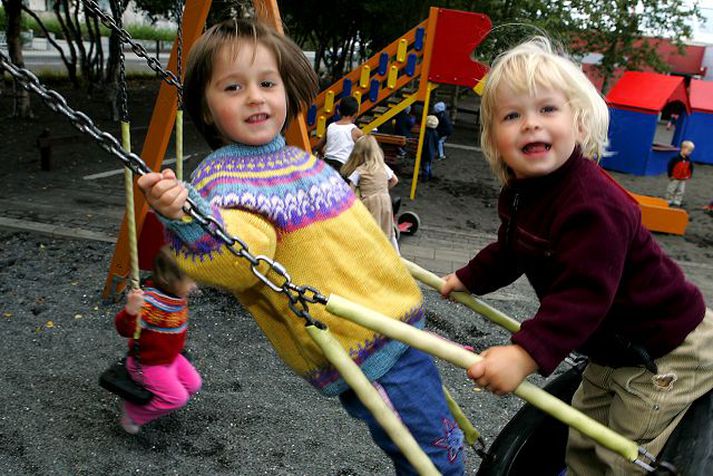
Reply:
x=71, y=64
x=13, y=12
x=71, y=71
x=111, y=79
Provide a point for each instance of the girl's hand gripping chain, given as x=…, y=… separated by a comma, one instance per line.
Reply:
x=164, y=193
x=134, y=302
x=502, y=369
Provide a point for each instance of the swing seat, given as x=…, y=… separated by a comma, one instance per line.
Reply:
x=532, y=439
x=118, y=381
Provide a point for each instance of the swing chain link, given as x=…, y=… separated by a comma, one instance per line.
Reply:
x=123, y=97
x=179, y=50
x=137, y=48
x=298, y=296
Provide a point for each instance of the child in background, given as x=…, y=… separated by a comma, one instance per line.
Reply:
x=403, y=123
x=341, y=135
x=604, y=285
x=445, y=127
x=371, y=178
x=430, y=147
x=680, y=170
x=160, y=367
x=672, y=120
x=243, y=82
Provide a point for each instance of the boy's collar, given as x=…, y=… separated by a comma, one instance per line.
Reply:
x=245, y=150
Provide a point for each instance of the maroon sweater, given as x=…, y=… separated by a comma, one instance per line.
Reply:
x=599, y=275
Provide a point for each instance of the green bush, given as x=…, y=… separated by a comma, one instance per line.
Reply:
x=139, y=32
x=148, y=32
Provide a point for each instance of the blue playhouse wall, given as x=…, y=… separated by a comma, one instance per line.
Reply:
x=631, y=135
x=699, y=129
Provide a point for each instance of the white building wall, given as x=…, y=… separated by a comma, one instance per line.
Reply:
x=703, y=35
x=703, y=29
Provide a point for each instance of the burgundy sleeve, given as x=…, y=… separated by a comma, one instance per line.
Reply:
x=491, y=269
x=590, y=247
x=125, y=323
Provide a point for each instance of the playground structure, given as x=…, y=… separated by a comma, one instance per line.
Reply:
x=635, y=102
x=436, y=51
x=699, y=123
x=339, y=306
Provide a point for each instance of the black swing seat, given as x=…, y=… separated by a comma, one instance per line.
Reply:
x=534, y=443
x=117, y=380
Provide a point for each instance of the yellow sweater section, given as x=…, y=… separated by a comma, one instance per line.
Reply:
x=346, y=255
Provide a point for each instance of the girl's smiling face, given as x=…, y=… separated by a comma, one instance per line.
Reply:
x=534, y=133
x=245, y=97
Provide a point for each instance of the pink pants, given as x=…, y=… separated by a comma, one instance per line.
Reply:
x=172, y=385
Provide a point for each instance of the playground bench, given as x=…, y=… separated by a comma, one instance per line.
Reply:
x=391, y=145
x=46, y=142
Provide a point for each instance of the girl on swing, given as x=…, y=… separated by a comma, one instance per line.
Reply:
x=605, y=286
x=162, y=308
x=244, y=82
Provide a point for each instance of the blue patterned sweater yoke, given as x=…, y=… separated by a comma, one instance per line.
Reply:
x=286, y=185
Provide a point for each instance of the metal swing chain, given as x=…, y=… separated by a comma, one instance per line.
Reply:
x=138, y=49
x=179, y=51
x=299, y=296
x=122, y=94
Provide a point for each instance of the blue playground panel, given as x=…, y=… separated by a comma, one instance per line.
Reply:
x=631, y=135
x=699, y=129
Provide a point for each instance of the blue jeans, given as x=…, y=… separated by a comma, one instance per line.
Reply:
x=413, y=387
x=441, y=148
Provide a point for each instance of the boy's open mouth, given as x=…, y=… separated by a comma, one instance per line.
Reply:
x=257, y=118
x=536, y=147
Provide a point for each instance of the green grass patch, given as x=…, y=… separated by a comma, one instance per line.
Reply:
x=137, y=31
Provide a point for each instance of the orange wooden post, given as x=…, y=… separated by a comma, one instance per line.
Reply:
x=296, y=134
x=157, y=138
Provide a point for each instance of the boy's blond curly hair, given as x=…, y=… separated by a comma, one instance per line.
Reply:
x=535, y=64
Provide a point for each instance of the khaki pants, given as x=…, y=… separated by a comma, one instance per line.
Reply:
x=675, y=191
x=640, y=405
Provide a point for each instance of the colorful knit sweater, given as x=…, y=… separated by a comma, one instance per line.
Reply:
x=291, y=207
x=164, y=324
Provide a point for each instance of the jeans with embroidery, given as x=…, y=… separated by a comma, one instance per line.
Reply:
x=413, y=389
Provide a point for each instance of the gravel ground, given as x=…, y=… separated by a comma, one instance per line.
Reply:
x=253, y=416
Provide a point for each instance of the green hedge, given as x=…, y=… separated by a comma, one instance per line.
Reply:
x=139, y=32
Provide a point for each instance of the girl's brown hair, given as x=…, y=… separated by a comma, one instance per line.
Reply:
x=300, y=80
x=166, y=274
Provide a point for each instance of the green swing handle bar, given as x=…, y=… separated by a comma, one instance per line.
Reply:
x=457, y=355
x=467, y=299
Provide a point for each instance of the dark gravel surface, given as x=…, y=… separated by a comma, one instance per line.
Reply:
x=253, y=416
